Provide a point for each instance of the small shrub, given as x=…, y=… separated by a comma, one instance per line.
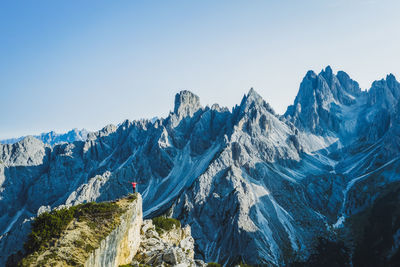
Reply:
x=79, y=243
x=47, y=226
x=132, y=197
x=165, y=224
x=72, y=262
x=89, y=248
x=96, y=211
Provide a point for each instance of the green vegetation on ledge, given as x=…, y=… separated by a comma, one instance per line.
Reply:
x=67, y=236
x=49, y=225
x=132, y=197
x=165, y=224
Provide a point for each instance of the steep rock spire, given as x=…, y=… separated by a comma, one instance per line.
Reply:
x=254, y=99
x=316, y=105
x=186, y=104
x=384, y=93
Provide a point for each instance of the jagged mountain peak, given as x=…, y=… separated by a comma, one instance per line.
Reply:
x=349, y=85
x=250, y=97
x=252, y=92
x=310, y=75
x=391, y=83
x=340, y=85
x=253, y=99
x=27, y=151
x=30, y=139
x=391, y=78
x=327, y=73
x=316, y=105
x=186, y=103
x=328, y=69
x=384, y=93
x=110, y=128
x=394, y=85
x=53, y=138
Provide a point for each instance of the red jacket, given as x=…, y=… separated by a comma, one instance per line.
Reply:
x=133, y=184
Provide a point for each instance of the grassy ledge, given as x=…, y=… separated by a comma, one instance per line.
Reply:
x=69, y=235
x=163, y=224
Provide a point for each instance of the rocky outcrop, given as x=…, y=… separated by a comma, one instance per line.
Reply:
x=186, y=104
x=384, y=93
x=174, y=247
x=93, y=241
x=124, y=240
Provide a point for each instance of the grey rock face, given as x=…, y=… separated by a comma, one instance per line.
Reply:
x=384, y=93
x=186, y=104
x=350, y=86
x=171, y=248
x=254, y=186
x=317, y=105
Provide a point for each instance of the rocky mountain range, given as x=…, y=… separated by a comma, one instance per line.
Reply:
x=320, y=182
x=52, y=138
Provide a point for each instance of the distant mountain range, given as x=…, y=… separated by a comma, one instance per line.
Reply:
x=52, y=138
x=317, y=186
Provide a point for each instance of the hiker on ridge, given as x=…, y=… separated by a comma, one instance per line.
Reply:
x=134, y=186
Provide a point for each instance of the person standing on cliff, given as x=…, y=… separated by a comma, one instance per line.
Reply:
x=134, y=186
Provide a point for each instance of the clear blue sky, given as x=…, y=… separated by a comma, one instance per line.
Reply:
x=85, y=64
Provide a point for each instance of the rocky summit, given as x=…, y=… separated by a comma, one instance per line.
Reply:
x=317, y=186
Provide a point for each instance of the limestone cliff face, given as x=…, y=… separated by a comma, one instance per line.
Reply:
x=121, y=245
